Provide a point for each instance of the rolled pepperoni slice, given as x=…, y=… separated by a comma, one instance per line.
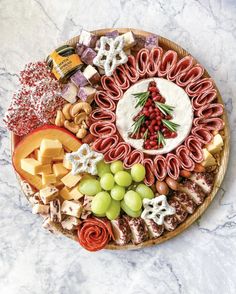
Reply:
x=172, y=166
x=192, y=75
x=211, y=124
x=204, y=98
x=120, y=78
x=99, y=114
x=168, y=63
x=160, y=170
x=136, y=156
x=102, y=129
x=120, y=152
x=199, y=87
x=104, y=145
x=210, y=110
x=182, y=66
x=149, y=177
x=104, y=101
x=183, y=154
x=154, y=61
x=194, y=146
x=109, y=85
x=131, y=69
x=203, y=134
x=142, y=60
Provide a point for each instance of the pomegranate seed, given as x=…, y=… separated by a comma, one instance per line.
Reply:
x=156, y=128
x=152, y=89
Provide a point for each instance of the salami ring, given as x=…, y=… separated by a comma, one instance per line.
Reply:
x=182, y=66
x=202, y=134
x=193, y=75
x=120, y=152
x=160, y=170
x=109, y=85
x=102, y=129
x=149, y=177
x=154, y=61
x=100, y=114
x=120, y=78
x=199, y=87
x=172, y=166
x=168, y=63
x=209, y=123
x=136, y=156
x=104, y=101
x=142, y=60
x=183, y=154
x=131, y=70
x=204, y=98
x=104, y=145
x=193, y=145
x=210, y=110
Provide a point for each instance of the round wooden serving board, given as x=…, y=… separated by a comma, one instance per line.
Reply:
x=166, y=45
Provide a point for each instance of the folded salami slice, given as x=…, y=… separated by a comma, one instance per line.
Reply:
x=102, y=129
x=154, y=61
x=168, y=63
x=192, y=75
x=100, y=114
x=204, y=98
x=172, y=166
x=149, y=178
x=210, y=110
x=104, y=101
x=136, y=156
x=199, y=87
x=194, y=146
x=183, y=154
x=203, y=134
x=160, y=170
x=104, y=145
x=142, y=60
x=211, y=124
x=131, y=70
x=120, y=78
x=182, y=66
x=120, y=152
x=109, y=85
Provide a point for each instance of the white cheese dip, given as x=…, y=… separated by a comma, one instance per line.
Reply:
x=174, y=95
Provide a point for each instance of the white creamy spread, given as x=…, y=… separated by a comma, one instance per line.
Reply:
x=174, y=95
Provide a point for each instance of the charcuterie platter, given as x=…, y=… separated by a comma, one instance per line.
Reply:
x=120, y=139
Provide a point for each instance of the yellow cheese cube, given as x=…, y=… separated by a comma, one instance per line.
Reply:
x=59, y=184
x=48, y=179
x=50, y=148
x=46, y=169
x=208, y=159
x=31, y=166
x=75, y=193
x=70, y=180
x=40, y=158
x=60, y=157
x=65, y=193
x=59, y=170
x=48, y=194
x=215, y=145
x=67, y=164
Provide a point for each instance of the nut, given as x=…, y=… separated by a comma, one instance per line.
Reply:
x=66, y=111
x=60, y=119
x=71, y=126
x=81, y=133
x=79, y=118
x=76, y=108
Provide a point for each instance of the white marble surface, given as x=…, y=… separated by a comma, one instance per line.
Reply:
x=202, y=259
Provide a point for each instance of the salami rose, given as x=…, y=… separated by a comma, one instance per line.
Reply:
x=109, y=85
x=104, y=101
x=168, y=63
x=192, y=75
x=154, y=61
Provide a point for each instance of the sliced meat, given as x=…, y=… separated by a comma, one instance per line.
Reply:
x=142, y=60
x=104, y=145
x=102, y=129
x=172, y=166
x=210, y=110
x=154, y=61
x=183, y=154
x=120, y=78
x=204, y=180
x=199, y=87
x=194, y=146
x=100, y=114
x=154, y=229
x=119, y=152
x=171, y=222
x=192, y=75
x=131, y=69
x=109, y=85
x=211, y=124
x=160, y=169
x=185, y=201
x=193, y=190
x=182, y=66
x=149, y=177
x=121, y=231
x=168, y=63
x=204, y=98
x=180, y=212
x=135, y=156
x=139, y=230
x=103, y=101
x=203, y=134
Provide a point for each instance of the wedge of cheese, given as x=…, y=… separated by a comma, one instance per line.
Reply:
x=50, y=148
x=215, y=145
x=31, y=165
x=208, y=158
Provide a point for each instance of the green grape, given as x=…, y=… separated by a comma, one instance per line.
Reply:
x=99, y=215
x=138, y=172
x=144, y=191
x=128, y=211
x=117, y=192
x=114, y=210
x=116, y=166
x=107, y=181
x=89, y=186
x=101, y=203
x=123, y=178
x=103, y=168
x=133, y=200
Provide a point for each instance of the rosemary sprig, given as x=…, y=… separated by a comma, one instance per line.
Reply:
x=160, y=139
x=142, y=98
x=170, y=125
x=137, y=124
x=164, y=108
x=145, y=135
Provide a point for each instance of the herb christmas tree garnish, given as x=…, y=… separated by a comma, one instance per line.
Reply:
x=137, y=124
x=164, y=108
x=142, y=98
x=170, y=125
x=160, y=139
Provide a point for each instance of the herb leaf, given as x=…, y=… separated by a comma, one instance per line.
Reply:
x=145, y=135
x=170, y=125
x=137, y=124
x=164, y=108
x=142, y=98
x=160, y=138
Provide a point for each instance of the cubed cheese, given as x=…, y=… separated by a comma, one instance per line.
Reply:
x=40, y=209
x=129, y=40
x=48, y=194
x=87, y=94
x=216, y=144
x=60, y=157
x=75, y=193
x=65, y=193
x=72, y=208
x=67, y=164
x=46, y=169
x=59, y=170
x=31, y=166
x=50, y=148
x=70, y=180
x=208, y=158
x=40, y=158
x=70, y=223
x=48, y=179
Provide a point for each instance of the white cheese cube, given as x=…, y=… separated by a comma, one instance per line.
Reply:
x=72, y=208
x=215, y=145
x=208, y=158
x=129, y=40
x=48, y=194
x=40, y=209
x=70, y=223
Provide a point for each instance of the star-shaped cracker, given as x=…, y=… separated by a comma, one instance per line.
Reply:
x=84, y=160
x=110, y=54
x=156, y=209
